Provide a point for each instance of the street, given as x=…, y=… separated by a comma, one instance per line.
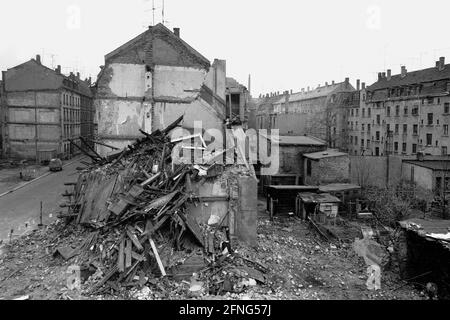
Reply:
x=20, y=209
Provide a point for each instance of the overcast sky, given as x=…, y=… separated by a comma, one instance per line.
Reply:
x=283, y=44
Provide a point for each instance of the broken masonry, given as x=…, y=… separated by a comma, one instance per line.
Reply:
x=148, y=217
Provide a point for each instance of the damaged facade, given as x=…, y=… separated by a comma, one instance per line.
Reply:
x=44, y=111
x=152, y=80
x=237, y=98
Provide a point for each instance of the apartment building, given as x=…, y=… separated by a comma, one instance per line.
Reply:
x=44, y=111
x=317, y=112
x=150, y=81
x=403, y=114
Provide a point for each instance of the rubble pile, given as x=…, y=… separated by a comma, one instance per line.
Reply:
x=134, y=207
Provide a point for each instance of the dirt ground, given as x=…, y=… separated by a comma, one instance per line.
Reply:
x=302, y=267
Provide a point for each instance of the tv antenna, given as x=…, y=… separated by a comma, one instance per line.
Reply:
x=163, y=21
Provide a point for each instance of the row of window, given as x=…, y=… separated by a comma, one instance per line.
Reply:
x=429, y=142
x=70, y=130
x=414, y=111
x=71, y=115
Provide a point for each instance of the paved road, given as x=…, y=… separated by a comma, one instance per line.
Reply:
x=21, y=207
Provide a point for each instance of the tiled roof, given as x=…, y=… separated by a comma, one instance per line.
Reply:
x=431, y=164
x=323, y=91
x=297, y=140
x=330, y=153
x=414, y=77
x=160, y=28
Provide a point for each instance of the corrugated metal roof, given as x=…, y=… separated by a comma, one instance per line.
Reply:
x=296, y=140
x=329, y=153
x=318, y=198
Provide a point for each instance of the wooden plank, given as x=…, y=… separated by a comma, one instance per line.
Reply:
x=192, y=225
x=120, y=261
x=135, y=240
x=127, y=253
x=150, y=180
x=137, y=256
x=158, y=260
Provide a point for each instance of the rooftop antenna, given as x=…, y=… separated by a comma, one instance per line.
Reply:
x=163, y=21
x=153, y=11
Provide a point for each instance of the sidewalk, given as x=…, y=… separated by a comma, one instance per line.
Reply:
x=10, y=177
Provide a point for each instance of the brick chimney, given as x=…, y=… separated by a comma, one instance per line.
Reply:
x=38, y=58
x=363, y=86
x=58, y=69
x=383, y=75
x=441, y=63
x=357, y=84
x=379, y=76
x=404, y=71
x=347, y=80
x=389, y=72
x=332, y=82
x=78, y=75
x=176, y=31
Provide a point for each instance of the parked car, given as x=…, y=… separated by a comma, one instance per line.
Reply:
x=55, y=165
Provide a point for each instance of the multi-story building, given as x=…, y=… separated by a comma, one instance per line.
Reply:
x=358, y=126
x=152, y=80
x=45, y=110
x=404, y=114
x=2, y=118
x=318, y=112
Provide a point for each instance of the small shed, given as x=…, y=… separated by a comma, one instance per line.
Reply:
x=282, y=199
x=320, y=206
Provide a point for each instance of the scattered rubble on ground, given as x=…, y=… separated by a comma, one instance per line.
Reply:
x=295, y=263
x=128, y=234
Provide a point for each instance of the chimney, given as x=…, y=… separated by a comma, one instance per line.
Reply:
x=332, y=82
x=308, y=88
x=363, y=86
x=38, y=58
x=379, y=76
x=78, y=75
x=176, y=31
x=58, y=69
x=326, y=84
x=347, y=80
x=383, y=75
x=441, y=63
x=389, y=74
x=291, y=91
x=404, y=71
x=358, y=84
x=437, y=64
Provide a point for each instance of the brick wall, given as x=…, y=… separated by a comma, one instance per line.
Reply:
x=329, y=170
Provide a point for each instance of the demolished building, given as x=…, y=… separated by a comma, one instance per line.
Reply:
x=152, y=80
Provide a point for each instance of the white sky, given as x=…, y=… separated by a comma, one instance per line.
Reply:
x=283, y=44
